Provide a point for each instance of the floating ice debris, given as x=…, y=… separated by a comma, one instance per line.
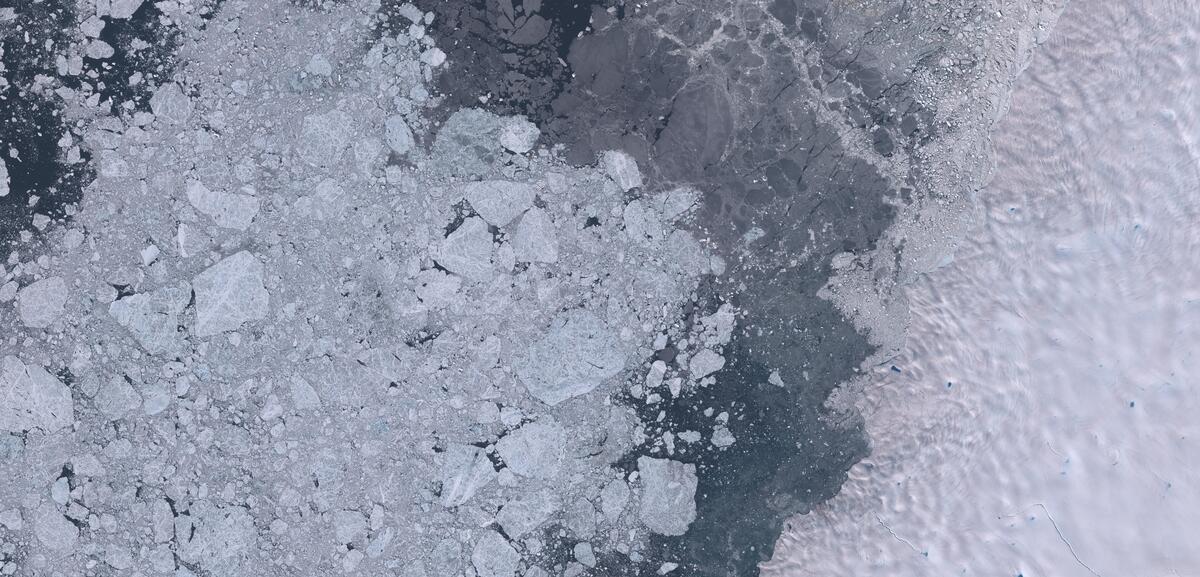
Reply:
x=4, y=181
x=721, y=437
x=518, y=135
x=613, y=498
x=324, y=138
x=584, y=554
x=704, y=363
x=99, y=50
x=153, y=318
x=492, y=556
x=535, y=240
x=468, y=250
x=499, y=201
x=228, y=210
x=32, y=398
x=654, y=377
x=535, y=449
x=642, y=224
x=577, y=353
x=434, y=57
x=399, y=136
x=527, y=512
x=123, y=9
x=668, y=499
x=55, y=531
x=304, y=396
x=318, y=65
x=170, y=104
x=465, y=471
x=349, y=527
x=218, y=536
x=117, y=397
x=229, y=294
x=622, y=168
x=42, y=303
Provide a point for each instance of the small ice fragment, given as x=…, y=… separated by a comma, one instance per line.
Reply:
x=535, y=240
x=499, y=201
x=523, y=514
x=149, y=255
x=42, y=303
x=4, y=181
x=584, y=554
x=55, y=532
x=623, y=169
x=518, y=135
x=434, y=57
x=667, y=568
x=318, y=65
x=721, y=437
x=468, y=250
x=117, y=398
x=235, y=211
x=535, y=449
x=398, y=135
x=577, y=353
x=668, y=504
x=704, y=363
x=153, y=318
x=229, y=294
x=465, y=471
x=123, y=9
x=654, y=377
x=492, y=556
x=775, y=379
x=170, y=104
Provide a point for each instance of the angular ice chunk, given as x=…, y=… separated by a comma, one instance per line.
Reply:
x=576, y=354
x=492, y=556
x=229, y=294
x=535, y=449
x=465, y=471
x=399, y=136
x=32, y=398
x=622, y=168
x=228, y=210
x=535, y=240
x=499, y=201
x=42, y=303
x=668, y=500
x=526, y=513
x=468, y=250
x=153, y=318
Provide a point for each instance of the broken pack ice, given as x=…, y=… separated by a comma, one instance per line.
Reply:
x=499, y=201
x=492, y=556
x=468, y=250
x=575, y=355
x=465, y=471
x=228, y=210
x=668, y=500
x=523, y=514
x=229, y=294
x=42, y=303
x=535, y=449
x=153, y=318
x=32, y=398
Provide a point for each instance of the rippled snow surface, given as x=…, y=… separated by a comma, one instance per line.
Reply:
x=1047, y=419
